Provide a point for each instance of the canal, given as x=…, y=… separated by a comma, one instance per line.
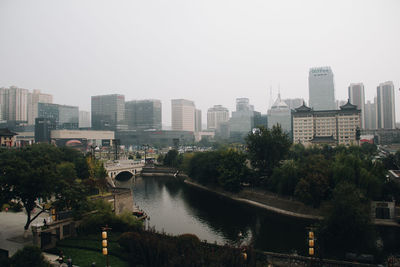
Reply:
x=177, y=208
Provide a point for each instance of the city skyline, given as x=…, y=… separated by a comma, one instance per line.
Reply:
x=191, y=52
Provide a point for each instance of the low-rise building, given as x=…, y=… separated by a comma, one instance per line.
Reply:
x=326, y=126
x=7, y=138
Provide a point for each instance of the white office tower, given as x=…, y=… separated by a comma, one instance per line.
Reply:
x=357, y=97
x=182, y=115
x=370, y=115
x=385, y=106
x=215, y=116
x=321, y=89
x=33, y=99
x=280, y=114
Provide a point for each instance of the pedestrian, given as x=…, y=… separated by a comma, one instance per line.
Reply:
x=6, y=209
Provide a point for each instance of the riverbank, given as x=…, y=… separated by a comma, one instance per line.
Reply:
x=266, y=201
x=260, y=198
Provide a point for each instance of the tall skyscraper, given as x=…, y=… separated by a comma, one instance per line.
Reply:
x=215, y=116
x=14, y=104
x=64, y=117
x=33, y=99
x=143, y=114
x=183, y=115
x=108, y=112
x=280, y=114
x=357, y=97
x=321, y=88
x=370, y=115
x=385, y=106
x=242, y=120
x=197, y=120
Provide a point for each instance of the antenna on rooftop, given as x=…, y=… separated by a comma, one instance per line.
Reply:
x=270, y=98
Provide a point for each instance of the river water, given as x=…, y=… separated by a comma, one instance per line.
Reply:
x=177, y=208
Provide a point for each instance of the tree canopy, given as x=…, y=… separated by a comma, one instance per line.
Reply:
x=42, y=171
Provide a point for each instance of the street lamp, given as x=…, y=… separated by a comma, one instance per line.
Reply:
x=104, y=242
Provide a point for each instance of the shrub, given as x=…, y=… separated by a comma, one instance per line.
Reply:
x=28, y=256
x=104, y=215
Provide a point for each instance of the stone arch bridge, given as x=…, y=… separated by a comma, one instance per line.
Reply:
x=122, y=170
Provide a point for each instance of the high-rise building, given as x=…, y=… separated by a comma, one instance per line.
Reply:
x=321, y=88
x=143, y=114
x=385, y=106
x=357, y=97
x=14, y=104
x=370, y=115
x=326, y=126
x=197, y=120
x=183, y=115
x=215, y=116
x=43, y=128
x=33, y=99
x=293, y=102
x=242, y=120
x=243, y=104
x=108, y=112
x=280, y=114
x=84, y=119
x=65, y=117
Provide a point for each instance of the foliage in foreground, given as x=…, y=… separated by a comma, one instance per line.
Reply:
x=28, y=256
x=347, y=225
x=43, y=171
x=152, y=249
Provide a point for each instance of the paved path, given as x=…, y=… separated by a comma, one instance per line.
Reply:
x=12, y=230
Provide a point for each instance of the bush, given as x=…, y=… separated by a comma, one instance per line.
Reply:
x=104, y=215
x=28, y=256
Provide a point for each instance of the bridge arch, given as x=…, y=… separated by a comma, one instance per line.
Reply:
x=124, y=176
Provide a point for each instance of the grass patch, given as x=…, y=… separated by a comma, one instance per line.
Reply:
x=83, y=258
x=85, y=249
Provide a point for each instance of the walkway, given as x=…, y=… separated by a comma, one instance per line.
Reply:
x=12, y=230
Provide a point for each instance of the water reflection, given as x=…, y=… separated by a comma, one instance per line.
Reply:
x=178, y=208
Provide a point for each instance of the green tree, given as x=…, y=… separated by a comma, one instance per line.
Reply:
x=232, y=170
x=173, y=158
x=347, y=224
x=285, y=178
x=266, y=148
x=203, y=167
x=40, y=171
x=314, y=186
x=31, y=174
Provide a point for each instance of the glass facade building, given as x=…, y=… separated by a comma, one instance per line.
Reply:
x=108, y=112
x=64, y=117
x=143, y=114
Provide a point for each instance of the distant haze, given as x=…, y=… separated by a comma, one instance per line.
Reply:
x=208, y=51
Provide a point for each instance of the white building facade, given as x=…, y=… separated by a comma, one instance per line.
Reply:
x=183, y=115
x=321, y=88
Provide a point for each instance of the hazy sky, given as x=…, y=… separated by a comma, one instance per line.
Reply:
x=208, y=51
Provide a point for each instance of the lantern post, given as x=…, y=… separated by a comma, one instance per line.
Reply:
x=104, y=242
